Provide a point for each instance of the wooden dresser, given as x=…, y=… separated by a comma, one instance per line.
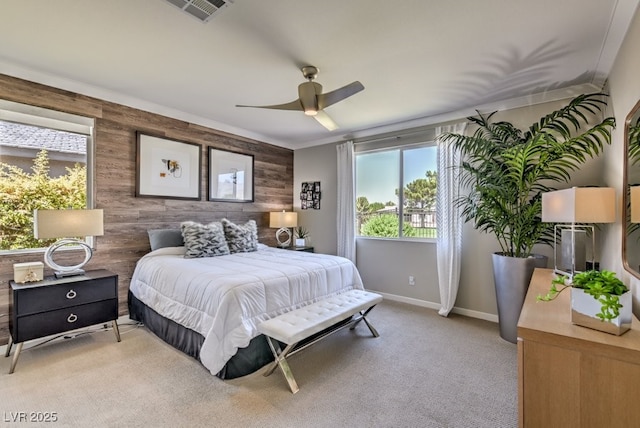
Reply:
x=572, y=376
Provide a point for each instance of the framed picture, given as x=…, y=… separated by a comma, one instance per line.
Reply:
x=230, y=176
x=167, y=168
x=310, y=195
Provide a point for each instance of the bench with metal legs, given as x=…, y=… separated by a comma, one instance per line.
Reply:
x=319, y=319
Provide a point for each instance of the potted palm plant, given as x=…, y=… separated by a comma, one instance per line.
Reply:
x=506, y=170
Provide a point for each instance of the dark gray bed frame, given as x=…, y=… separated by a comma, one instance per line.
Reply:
x=247, y=360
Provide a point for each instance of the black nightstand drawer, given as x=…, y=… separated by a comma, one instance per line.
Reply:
x=47, y=323
x=40, y=299
x=55, y=305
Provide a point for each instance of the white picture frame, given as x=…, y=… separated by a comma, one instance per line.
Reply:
x=230, y=176
x=167, y=168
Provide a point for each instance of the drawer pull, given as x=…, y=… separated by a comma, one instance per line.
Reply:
x=72, y=318
x=71, y=294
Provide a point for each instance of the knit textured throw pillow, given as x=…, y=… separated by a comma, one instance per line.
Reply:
x=241, y=238
x=203, y=240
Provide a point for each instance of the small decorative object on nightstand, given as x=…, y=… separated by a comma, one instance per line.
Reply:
x=301, y=235
x=28, y=272
x=57, y=305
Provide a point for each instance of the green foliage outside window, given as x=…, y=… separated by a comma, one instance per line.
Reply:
x=419, y=198
x=421, y=192
x=22, y=192
x=386, y=225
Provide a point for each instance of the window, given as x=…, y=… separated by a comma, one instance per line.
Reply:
x=381, y=209
x=45, y=163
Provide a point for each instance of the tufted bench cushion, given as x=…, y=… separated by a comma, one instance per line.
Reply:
x=301, y=323
x=294, y=326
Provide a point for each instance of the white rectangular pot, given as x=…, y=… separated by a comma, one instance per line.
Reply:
x=584, y=309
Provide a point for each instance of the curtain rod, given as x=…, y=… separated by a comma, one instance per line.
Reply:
x=390, y=136
x=401, y=133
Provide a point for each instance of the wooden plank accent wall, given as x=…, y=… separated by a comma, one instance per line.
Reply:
x=128, y=218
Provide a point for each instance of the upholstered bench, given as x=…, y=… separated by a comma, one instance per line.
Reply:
x=295, y=326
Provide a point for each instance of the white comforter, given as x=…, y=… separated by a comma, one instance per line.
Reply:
x=224, y=298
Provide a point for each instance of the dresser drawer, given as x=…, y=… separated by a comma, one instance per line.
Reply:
x=51, y=297
x=47, y=323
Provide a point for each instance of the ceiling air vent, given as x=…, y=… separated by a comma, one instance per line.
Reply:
x=203, y=10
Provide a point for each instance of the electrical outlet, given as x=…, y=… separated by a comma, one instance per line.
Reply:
x=412, y=280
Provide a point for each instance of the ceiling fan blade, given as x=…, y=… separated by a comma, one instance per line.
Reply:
x=330, y=98
x=308, y=93
x=293, y=105
x=326, y=121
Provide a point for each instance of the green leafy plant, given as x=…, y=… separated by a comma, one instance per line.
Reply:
x=634, y=161
x=507, y=169
x=301, y=233
x=386, y=225
x=603, y=286
x=22, y=192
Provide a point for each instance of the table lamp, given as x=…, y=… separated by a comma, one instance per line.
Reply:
x=580, y=207
x=284, y=221
x=69, y=225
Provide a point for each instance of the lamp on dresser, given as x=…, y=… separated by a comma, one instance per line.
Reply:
x=284, y=221
x=579, y=208
x=69, y=225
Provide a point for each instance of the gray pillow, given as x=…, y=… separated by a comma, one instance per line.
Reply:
x=241, y=238
x=160, y=238
x=202, y=240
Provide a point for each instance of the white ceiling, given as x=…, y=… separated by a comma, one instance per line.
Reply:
x=421, y=61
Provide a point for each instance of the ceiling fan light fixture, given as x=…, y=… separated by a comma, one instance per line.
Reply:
x=312, y=101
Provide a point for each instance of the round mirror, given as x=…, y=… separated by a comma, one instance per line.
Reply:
x=631, y=193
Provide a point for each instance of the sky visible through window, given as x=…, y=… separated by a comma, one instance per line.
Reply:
x=377, y=173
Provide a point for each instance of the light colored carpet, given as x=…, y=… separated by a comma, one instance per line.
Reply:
x=423, y=371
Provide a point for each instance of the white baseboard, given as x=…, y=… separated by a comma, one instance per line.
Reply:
x=121, y=320
x=432, y=305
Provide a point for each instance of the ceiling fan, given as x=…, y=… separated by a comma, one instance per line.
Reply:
x=312, y=101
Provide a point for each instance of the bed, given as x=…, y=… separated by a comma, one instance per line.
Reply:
x=210, y=307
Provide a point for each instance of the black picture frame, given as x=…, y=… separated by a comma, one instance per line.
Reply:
x=167, y=168
x=310, y=195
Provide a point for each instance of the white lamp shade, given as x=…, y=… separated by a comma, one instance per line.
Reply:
x=49, y=224
x=580, y=205
x=634, y=192
x=283, y=219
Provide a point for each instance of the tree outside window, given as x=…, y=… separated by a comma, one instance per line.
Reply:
x=406, y=214
x=40, y=168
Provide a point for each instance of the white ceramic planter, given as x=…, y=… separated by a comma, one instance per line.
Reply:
x=584, y=309
x=300, y=242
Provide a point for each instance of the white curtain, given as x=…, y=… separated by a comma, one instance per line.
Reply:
x=346, y=216
x=448, y=219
